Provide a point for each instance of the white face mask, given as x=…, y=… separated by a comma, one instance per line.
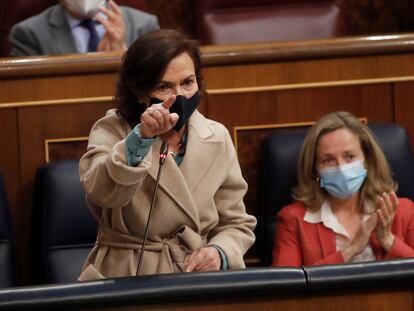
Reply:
x=86, y=8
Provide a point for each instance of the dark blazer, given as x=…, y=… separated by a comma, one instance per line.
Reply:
x=298, y=242
x=48, y=33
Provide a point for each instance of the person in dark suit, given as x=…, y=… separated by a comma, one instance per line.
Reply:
x=76, y=26
x=346, y=209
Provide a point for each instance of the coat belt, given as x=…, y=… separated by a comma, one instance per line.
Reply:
x=183, y=242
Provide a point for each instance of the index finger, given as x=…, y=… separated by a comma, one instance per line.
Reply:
x=168, y=103
x=114, y=7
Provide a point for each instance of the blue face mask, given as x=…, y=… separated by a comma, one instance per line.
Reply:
x=344, y=180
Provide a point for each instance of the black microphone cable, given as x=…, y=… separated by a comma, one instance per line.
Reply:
x=163, y=156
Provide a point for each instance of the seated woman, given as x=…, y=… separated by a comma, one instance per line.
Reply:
x=346, y=209
x=199, y=221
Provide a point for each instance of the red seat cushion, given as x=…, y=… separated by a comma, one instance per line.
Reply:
x=297, y=21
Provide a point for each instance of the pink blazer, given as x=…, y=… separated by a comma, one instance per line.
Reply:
x=301, y=243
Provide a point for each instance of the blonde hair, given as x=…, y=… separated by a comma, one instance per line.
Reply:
x=378, y=178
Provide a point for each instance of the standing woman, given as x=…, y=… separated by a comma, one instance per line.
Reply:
x=199, y=221
x=346, y=209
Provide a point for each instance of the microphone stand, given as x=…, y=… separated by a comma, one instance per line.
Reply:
x=163, y=156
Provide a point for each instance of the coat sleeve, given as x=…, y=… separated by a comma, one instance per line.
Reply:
x=107, y=179
x=234, y=231
x=403, y=246
x=286, y=245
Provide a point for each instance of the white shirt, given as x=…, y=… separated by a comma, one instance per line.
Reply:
x=81, y=34
x=325, y=216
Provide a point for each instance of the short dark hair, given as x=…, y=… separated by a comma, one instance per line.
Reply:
x=144, y=64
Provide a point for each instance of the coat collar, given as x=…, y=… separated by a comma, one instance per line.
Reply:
x=60, y=31
x=180, y=182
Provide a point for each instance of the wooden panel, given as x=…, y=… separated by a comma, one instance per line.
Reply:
x=45, y=88
x=325, y=70
x=404, y=108
x=66, y=148
x=372, y=101
x=378, y=301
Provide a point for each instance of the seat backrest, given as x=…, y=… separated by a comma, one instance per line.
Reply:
x=63, y=229
x=14, y=12
x=7, y=245
x=18, y=10
x=241, y=21
x=278, y=174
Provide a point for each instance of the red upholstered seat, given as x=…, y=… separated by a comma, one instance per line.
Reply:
x=232, y=21
x=14, y=11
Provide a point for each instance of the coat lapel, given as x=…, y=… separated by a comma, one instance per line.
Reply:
x=327, y=240
x=178, y=182
x=61, y=34
x=202, y=150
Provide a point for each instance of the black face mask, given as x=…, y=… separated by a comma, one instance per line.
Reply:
x=182, y=106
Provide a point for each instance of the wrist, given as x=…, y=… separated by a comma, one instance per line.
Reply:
x=146, y=135
x=387, y=242
x=223, y=257
x=348, y=253
x=352, y=250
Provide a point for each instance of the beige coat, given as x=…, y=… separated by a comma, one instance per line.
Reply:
x=198, y=203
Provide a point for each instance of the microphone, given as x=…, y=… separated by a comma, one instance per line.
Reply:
x=163, y=152
x=163, y=156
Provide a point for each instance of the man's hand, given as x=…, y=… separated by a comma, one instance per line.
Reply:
x=114, y=38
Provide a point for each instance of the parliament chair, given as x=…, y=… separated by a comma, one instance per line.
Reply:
x=278, y=174
x=17, y=10
x=8, y=275
x=63, y=229
x=242, y=21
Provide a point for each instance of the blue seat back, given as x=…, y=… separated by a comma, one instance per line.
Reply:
x=63, y=230
x=7, y=245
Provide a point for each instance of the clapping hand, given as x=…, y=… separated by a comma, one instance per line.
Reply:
x=114, y=38
x=387, y=205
